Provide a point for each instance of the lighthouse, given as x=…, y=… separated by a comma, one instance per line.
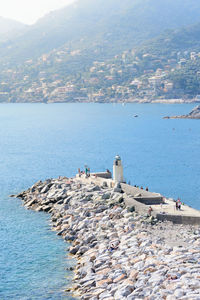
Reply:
x=118, y=169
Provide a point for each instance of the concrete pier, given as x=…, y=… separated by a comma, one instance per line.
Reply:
x=163, y=208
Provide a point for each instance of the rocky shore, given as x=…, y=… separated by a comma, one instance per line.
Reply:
x=120, y=254
x=194, y=114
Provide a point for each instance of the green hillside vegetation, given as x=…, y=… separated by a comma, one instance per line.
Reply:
x=187, y=79
x=184, y=39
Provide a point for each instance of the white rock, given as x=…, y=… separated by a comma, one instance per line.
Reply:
x=178, y=293
x=123, y=292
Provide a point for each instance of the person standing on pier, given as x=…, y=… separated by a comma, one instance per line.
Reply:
x=150, y=210
x=86, y=171
x=179, y=203
x=176, y=205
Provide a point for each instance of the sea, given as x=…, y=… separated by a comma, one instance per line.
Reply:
x=40, y=141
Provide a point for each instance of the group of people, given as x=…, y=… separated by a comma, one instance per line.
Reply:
x=147, y=189
x=86, y=172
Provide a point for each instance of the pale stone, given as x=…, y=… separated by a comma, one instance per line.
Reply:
x=133, y=274
x=104, y=283
x=104, y=271
x=178, y=293
x=106, y=295
x=119, y=278
x=124, y=292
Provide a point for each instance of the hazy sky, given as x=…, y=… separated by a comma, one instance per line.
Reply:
x=28, y=11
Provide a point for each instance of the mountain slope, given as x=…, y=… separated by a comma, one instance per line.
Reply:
x=9, y=28
x=112, y=25
x=184, y=39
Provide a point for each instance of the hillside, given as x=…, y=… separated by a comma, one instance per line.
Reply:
x=183, y=39
x=179, y=49
x=10, y=28
x=102, y=52
x=108, y=27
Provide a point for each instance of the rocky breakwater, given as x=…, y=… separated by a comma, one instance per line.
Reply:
x=120, y=254
x=194, y=114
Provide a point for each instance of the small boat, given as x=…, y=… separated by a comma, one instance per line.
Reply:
x=135, y=116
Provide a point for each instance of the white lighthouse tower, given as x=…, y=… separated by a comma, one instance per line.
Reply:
x=118, y=169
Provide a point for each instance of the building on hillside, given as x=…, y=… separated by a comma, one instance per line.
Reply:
x=193, y=55
x=168, y=86
x=182, y=62
x=155, y=80
x=197, y=98
x=137, y=83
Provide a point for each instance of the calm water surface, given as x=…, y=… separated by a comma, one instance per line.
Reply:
x=40, y=141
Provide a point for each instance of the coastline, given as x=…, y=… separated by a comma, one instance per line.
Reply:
x=117, y=101
x=121, y=254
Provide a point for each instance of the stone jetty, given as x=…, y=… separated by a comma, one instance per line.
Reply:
x=121, y=254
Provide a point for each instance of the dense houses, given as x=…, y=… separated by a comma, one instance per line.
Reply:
x=127, y=77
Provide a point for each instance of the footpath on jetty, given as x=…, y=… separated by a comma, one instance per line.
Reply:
x=123, y=250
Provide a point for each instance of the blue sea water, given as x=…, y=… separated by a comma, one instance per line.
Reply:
x=40, y=141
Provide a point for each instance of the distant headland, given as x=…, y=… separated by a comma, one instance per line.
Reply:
x=194, y=114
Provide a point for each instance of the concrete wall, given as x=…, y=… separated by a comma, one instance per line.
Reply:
x=139, y=207
x=105, y=175
x=178, y=219
x=147, y=198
